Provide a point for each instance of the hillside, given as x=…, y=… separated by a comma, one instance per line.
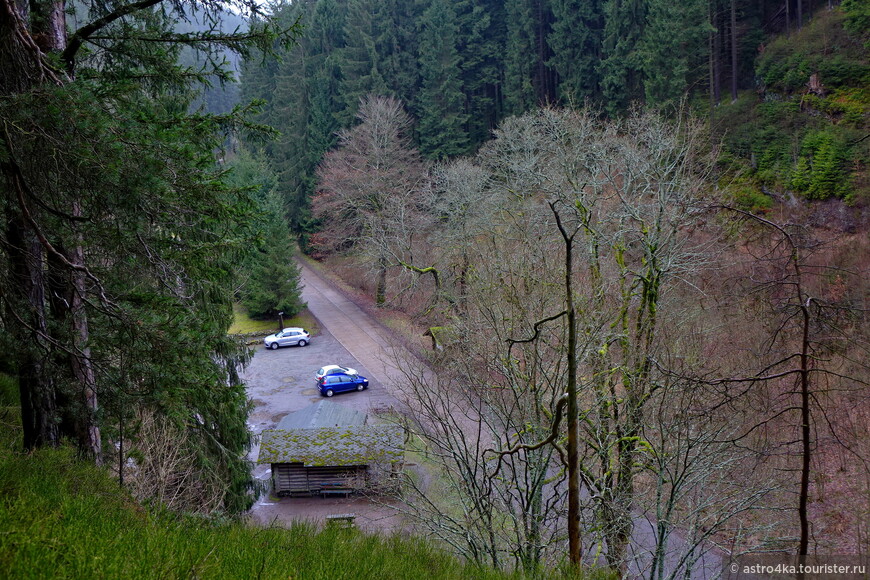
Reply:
x=785, y=83
x=803, y=132
x=64, y=518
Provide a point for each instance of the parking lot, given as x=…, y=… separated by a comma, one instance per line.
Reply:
x=282, y=381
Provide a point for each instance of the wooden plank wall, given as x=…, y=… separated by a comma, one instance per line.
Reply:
x=296, y=479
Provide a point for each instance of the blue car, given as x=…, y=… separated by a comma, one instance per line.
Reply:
x=341, y=382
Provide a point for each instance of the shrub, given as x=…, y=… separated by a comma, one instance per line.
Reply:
x=821, y=171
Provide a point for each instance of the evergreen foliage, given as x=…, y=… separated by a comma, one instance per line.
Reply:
x=519, y=57
x=672, y=49
x=270, y=278
x=480, y=45
x=621, y=66
x=441, y=110
x=359, y=59
x=807, y=133
x=576, y=42
x=121, y=246
x=466, y=65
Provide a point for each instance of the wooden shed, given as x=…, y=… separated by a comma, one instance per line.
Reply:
x=328, y=448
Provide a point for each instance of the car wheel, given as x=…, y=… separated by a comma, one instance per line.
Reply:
x=274, y=346
x=302, y=343
x=360, y=387
x=328, y=393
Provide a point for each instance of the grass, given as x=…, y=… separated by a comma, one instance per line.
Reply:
x=64, y=518
x=244, y=324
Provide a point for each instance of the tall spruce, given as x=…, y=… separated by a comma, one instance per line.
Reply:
x=480, y=43
x=578, y=27
x=520, y=57
x=121, y=237
x=673, y=49
x=360, y=63
x=622, y=81
x=269, y=281
x=440, y=105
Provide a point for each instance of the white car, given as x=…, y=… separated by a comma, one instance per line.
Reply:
x=333, y=370
x=287, y=337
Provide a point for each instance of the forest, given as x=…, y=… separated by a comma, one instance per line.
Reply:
x=462, y=67
x=645, y=220
x=634, y=231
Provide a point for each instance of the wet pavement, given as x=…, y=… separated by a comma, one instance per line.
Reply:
x=282, y=381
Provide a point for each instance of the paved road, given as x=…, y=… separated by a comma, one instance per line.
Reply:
x=282, y=381
x=366, y=340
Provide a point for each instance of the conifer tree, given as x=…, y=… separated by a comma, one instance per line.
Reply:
x=620, y=68
x=480, y=43
x=578, y=26
x=273, y=285
x=673, y=49
x=440, y=106
x=520, y=55
x=360, y=63
x=122, y=237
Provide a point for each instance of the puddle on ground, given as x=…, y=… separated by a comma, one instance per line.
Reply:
x=277, y=418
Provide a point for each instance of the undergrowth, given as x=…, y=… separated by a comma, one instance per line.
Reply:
x=804, y=128
x=64, y=518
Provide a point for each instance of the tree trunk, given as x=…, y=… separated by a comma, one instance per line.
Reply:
x=24, y=42
x=711, y=61
x=575, y=547
x=26, y=301
x=806, y=443
x=733, y=50
x=87, y=430
x=23, y=68
x=21, y=60
x=717, y=62
x=381, y=291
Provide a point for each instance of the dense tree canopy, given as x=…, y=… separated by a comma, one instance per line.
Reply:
x=464, y=66
x=121, y=237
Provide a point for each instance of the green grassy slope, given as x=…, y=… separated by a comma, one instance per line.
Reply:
x=61, y=518
x=64, y=518
x=806, y=127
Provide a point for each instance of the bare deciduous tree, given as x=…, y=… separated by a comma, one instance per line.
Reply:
x=369, y=192
x=813, y=343
x=621, y=197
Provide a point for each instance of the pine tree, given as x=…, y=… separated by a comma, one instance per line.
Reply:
x=520, y=57
x=576, y=40
x=620, y=68
x=121, y=241
x=273, y=284
x=397, y=44
x=270, y=279
x=440, y=106
x=481, y=41
x=359, y=60
x=673, y=49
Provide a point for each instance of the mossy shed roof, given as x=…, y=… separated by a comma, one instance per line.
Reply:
x=333, y=446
